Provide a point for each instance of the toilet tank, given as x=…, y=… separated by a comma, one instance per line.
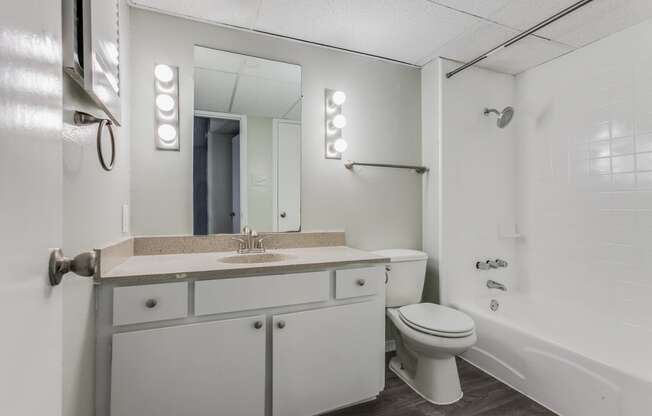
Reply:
x=407, y=272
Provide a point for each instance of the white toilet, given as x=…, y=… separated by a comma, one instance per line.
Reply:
x=429, y=336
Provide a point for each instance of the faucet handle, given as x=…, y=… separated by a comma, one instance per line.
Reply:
x=501, y=263
x=241, y=241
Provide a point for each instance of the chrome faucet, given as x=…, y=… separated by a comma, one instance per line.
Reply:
x=251, y=242
x=491, y=264
x=492, y=284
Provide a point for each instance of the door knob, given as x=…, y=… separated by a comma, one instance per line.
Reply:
x=283, y=214
x=281, y=324
x=84, y=264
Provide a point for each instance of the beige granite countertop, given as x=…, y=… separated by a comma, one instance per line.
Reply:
x=207, y=265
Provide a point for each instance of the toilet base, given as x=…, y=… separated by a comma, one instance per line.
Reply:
x=435, y=379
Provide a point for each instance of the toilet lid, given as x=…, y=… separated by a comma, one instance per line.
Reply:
x=436, y=319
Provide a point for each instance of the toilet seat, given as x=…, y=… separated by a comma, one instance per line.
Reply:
x=437, y=320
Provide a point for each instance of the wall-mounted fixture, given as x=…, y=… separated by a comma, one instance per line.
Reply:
x=334, y=122
x=504, y=117
x=166, y=107
x=84, y=119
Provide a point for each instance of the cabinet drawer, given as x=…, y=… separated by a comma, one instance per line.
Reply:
x=351, y=283
x=241, y=294
x=147, y=303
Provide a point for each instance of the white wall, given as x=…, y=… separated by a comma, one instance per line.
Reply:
x=430, y=87
x=92, y=218
x=477, y=168
x=377, y=208
x=585, y=176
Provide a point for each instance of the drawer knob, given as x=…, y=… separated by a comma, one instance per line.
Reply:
x=281, y=324
x=258, y=324
x=151, y=303
x=361, y=282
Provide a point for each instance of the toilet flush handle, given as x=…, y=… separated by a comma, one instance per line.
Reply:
x=388, y=269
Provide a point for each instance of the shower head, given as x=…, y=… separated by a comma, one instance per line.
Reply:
x=504, y=117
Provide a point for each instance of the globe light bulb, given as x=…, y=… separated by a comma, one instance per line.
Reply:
x=339, y=121
x=165, y=102
x=163, y=73
x=167, y=133
x=340, y=145
x=338, y=98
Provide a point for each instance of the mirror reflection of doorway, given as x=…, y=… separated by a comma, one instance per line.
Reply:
x=216, y=175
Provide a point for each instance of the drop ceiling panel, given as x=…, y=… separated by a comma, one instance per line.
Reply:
x=525, y=54
x=278, y=71
x=405, y=30
x=213, y=90
x=237, y=13
x=263, y=97
x=473, y=43
x=597, y=20
x=216, y=59
x=523, y=14
x=482, y=8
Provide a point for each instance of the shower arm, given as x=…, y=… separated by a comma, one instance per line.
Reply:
x=488, y=111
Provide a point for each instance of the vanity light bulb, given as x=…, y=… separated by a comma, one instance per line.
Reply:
x=340, y=145
x=164, y=102
x=338, y=98
x=163, y=73
x=167, y=133
x=339, y=121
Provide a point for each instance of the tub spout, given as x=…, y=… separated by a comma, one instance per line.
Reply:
x=492, y=284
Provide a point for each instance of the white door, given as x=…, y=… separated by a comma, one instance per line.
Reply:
x=207, y=369
x=31, y=207
x=235, y=183
x=327, y=358
x=287, y=161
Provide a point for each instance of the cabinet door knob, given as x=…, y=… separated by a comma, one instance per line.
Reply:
x=361, y=282
x=283, y=214
x=258, y=324
x=281, y=324
x=151, y=303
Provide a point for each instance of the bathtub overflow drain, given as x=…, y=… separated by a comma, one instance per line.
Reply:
x=494, y=305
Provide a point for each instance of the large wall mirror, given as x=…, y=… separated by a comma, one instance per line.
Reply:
x=246, y=143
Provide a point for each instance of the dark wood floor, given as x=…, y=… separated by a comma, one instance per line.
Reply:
x=483, y=396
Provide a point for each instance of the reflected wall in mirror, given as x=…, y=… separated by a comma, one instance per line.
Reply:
x=246, y=143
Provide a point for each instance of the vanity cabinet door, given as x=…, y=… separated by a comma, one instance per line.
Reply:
x=327, y=358
x=206, y=369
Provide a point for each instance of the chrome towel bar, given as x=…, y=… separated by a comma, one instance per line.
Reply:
x=418, y=169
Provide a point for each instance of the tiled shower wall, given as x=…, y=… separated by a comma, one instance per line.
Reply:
x=584, y=177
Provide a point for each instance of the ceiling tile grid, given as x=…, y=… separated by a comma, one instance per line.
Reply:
x=417, y=31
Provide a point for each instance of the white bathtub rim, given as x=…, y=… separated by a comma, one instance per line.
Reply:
x=502, y=320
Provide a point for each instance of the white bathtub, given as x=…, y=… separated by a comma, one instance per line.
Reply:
x=573, y=361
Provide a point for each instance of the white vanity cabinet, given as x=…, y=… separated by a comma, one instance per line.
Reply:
x=285, y=345
x=327, y=358
x=190, y=370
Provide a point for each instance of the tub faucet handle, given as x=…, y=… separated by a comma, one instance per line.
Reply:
x=482, y=265
x=501, y=263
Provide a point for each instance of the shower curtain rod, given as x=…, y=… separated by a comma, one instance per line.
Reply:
x=521, y=35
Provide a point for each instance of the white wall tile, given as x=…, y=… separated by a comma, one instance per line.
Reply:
x=603, y=217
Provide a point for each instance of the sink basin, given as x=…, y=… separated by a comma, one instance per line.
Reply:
x=255, y=258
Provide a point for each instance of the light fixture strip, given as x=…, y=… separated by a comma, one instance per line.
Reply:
x=334, y=122
x=166, y=107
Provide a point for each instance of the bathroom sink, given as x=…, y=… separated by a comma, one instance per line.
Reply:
x=256, y=258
